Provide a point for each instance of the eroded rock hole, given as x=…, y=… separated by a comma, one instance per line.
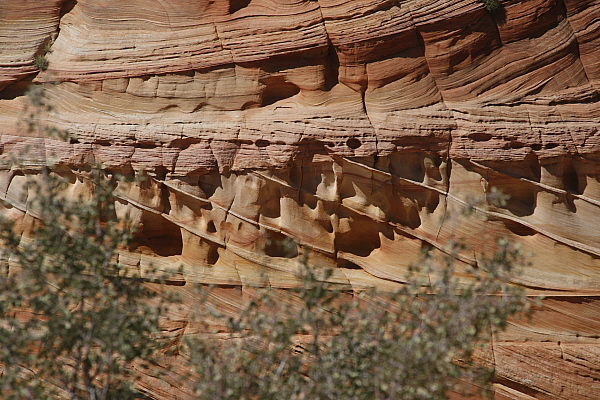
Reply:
x=519, y=229
x=314, y=175
x=67, y=7
x=408, y=165
x=279, y=245
x=480, y=136
x=295, y=174
x=414, y=220
x=210, y=227
x=332, y=67
x=159, y=235
x=271, y=207
x=327, y=225
x=361, y=238
x=15, y=89
x=237, y=5
x=161, y=172
x=183, y=143
x=534, y=165
x=209, y=183
x=520, y=197
x=353, y=143
x=431, y=164
x=570, y=179
x=144, y=145
x=262, y=143
x=276, y=89
x=433, y=200
x=102, y=142
x=347, y=264
x=212, y=256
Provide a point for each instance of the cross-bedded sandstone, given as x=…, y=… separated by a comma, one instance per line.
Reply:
x=351, y=127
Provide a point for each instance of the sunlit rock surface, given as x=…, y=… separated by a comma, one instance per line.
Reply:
x=358, y=129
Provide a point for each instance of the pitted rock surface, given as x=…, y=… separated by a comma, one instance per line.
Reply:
x=354, y=131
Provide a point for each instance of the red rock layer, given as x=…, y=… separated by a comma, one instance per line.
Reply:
x=351, y=127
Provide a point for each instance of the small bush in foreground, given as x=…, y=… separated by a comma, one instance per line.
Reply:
x=310, y=343
x=73, y=322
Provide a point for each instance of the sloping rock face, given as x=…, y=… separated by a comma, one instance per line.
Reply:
x=358, y=129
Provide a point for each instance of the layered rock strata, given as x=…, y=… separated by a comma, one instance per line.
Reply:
x=353, y=131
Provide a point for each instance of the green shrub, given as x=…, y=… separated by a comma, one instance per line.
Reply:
x=40, y=59
x=491, y=5
x=314, y=343
x=41, y=62
x=73, y=322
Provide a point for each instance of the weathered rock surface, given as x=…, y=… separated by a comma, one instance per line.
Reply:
x=351, y=127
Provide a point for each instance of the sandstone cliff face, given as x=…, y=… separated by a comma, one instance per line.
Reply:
x=351, y=127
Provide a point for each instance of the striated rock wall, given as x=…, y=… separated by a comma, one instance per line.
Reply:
x=353, y=127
